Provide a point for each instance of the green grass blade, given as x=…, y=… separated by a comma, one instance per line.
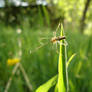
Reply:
x=67, y=65
x=62, y=72
x=46, y=15
x=46, y=86
x=56, y=88
x=70, y=59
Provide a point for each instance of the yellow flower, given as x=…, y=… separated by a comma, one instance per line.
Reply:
x=14, y=61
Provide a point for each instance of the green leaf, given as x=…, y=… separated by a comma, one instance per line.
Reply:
x=56, y=88
x=67, y=65
x=70, y=59
x=46, y=86
x=62, y=72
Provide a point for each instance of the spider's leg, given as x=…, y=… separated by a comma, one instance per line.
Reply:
x=38, y=48
x=56, y=44
x=41, y=39
x=57, y=31
x=61, y=43
x=54, y=34
x=58, y=27
x=66, y=42
x=57, y=48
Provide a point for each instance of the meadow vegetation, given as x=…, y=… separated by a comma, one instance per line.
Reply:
x=42, y=65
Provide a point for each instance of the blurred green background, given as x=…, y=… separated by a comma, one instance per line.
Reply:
x=28, y=21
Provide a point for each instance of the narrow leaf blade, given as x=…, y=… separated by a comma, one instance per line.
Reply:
x=62, y=72
x=46, y=86
x=70, y=59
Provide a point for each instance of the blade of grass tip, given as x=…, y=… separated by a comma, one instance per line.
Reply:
x=62, y=71
x=70, y=59
x=46, y=86
x=56, y=88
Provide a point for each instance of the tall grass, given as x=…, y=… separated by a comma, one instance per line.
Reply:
x=62, y=70
x=61, y=79
x=41, y=66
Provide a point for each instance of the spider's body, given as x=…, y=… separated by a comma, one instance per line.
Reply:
x=59, y=38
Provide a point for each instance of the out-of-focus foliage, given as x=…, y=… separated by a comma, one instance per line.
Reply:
x=38, y=21
x=14, y=61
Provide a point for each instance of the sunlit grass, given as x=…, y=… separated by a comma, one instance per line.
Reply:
x=41, y=67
